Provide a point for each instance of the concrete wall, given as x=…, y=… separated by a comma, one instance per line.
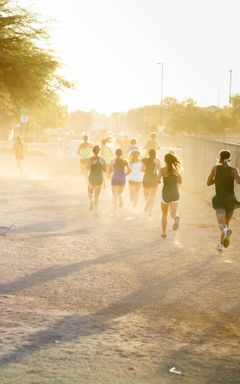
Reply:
x=199, y=156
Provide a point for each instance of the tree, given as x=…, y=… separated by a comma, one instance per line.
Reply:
x=28, y=78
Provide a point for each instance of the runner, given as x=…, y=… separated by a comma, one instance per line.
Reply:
x=151, y=167
x=84, y=151
x=96, y=166
x=19, y=149
x=224, y=201
x=170, y=194
x=132, y=147
x=120, y=169
x=135, y=177
x=152, y=143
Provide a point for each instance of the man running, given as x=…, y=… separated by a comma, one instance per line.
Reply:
x=84, y=151
x=224, y=202
x=96, y=166
x=19, y=149
x=152, y=143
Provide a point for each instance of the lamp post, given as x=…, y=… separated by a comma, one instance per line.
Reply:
x=230, y=85
x=161, y=99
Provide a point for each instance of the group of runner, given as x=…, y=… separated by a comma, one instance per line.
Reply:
x=100, y=162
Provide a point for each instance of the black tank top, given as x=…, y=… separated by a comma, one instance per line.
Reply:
x=224, y=182
x=96, y=173
x=150, y=169
x=170, y=181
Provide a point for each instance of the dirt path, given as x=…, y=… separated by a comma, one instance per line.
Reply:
x=106, y=300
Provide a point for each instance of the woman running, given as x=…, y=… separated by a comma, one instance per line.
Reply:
x=224, y=201
x=120, y=169
x=19, y=148
x=96, y=167
x=135, y=177
x=171, y=177
x=151, y=168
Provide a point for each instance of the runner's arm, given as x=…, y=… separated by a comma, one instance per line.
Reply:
x=129, y=169
x=89, y=164
x=160, y=175
x=211, y=177
x=179, y=179
x=236, y=175
x=110, y=170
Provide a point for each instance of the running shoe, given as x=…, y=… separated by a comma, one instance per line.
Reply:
x=163, y=235
x=226, y=240
x=220, y=247
x=176, y=223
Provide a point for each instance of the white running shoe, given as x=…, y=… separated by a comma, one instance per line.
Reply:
x=220, y=247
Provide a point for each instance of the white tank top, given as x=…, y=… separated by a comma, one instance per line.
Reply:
x=136, y=173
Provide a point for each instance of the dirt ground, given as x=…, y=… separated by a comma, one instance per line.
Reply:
x=106, y=300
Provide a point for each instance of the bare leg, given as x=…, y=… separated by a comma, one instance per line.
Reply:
x=120, y=199
x=228, y=217
x=137, y=188
x=131, y=192
x=146, y=196
x=221, y=222
x=164, y=218
x=97, y=191
x=90, y=196
x=115, y=197
x=174, y=215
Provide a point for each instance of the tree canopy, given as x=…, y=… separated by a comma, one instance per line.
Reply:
x=186, y=117
x=28, y=79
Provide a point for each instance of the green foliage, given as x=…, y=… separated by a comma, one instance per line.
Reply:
x=28, y=77
x=186, y=117
x=79, y=120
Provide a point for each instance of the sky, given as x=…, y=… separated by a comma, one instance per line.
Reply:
x=110, y=50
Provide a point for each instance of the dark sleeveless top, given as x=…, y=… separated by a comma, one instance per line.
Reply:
x=96, y=174
x=150, y=178
x=224, y=186
x=224, y=182
x=170, y=188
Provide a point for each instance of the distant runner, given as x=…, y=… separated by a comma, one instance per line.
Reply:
x=132, y=147
x=19, y=149
x=152, y=143
x=170, y=174
x=224, y=202
x=120, y=169
x=96, y=166
x=151, y=168
x=135, y=177
x=85, y=152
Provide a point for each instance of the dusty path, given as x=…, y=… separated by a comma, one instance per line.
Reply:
x=106, y=300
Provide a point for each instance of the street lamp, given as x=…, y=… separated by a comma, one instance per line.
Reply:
x=161, y=100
